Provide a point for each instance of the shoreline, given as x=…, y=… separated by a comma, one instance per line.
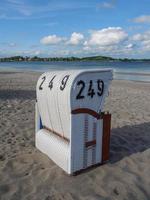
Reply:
x=133, y=73
x=115, y=73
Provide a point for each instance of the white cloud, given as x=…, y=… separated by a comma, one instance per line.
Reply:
x=51, y=39
x=107, y=36
x=37, y=53
x=142, y=19
x=76, y=38
x=143, y=39
x=12, y=44
x=25, y=9
x=87, y=48
x=137, y=37
x=30, y=53
x=14, y=1
x=19, y=6
x=129, y=46
x=5, y=53
x=111, y=41
x=107, y=4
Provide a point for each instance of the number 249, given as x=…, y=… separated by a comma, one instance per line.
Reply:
x=91, y=91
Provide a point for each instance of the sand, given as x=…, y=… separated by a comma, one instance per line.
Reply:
x=25, y=173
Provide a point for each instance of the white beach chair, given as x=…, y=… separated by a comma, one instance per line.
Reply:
x=70, y=125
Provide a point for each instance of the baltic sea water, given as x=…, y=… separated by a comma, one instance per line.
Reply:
x=135, y=71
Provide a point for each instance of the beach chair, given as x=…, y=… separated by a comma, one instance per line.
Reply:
x=71, y=127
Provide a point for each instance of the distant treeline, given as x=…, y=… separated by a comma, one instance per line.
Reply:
x=68, y=59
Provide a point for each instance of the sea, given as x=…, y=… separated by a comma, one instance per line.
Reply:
x=133, y=71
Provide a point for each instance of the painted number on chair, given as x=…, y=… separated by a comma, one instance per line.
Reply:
x=51, y=83
x=91, y=91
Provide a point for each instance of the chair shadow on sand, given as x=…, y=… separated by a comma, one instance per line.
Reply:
x=128, y=140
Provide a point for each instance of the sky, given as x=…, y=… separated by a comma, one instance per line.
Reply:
x=54, y=28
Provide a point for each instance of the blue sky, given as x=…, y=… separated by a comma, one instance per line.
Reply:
x=118, y=28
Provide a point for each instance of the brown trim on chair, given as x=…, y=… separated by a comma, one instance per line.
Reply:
x=87, y=111
x=90, y=143
x=56, y=133
x=106, y=136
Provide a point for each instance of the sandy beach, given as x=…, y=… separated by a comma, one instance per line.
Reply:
x=27, y=174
